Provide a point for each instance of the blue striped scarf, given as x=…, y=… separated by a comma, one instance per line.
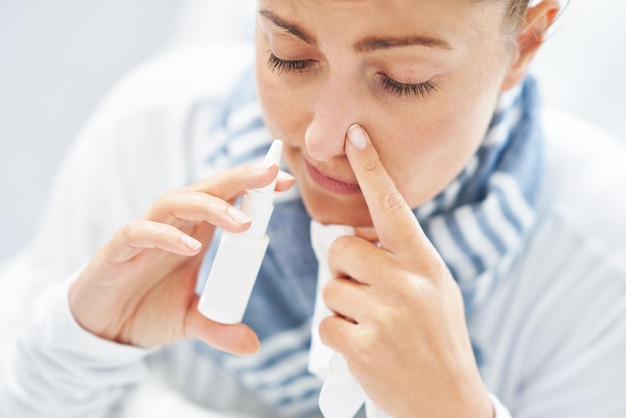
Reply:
x=477, y=223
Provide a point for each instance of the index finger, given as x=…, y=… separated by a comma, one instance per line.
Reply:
x=392, y=217
x=231, y=183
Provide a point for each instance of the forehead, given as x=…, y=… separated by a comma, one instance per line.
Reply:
x=458, y=21
x=383, y=8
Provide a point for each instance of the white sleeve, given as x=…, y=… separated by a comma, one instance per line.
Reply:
x=132, y=150
x=499, y=410
x=57, y=369
x=557, y=335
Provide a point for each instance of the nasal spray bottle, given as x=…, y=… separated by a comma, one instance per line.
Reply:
x=239, y=256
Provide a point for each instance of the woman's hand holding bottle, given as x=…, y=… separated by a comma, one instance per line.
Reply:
x=139, y=288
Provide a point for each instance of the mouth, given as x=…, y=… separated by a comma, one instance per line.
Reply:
x=331, y=184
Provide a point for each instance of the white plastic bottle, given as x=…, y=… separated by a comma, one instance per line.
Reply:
x=239, y=256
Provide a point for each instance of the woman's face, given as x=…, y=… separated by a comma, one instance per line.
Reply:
x=420, y=76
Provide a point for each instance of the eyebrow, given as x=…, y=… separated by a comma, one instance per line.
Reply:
x=289, y=27
x=375, y=43
x=366, y=45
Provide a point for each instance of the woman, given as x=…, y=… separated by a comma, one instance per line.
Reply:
x=481, y=280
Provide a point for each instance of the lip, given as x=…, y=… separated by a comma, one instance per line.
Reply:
x=330, y=183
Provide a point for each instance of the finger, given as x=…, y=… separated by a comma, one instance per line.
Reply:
x=284, y=181
x=337, y=333
x=347, y=298
x=198, y=207
x=231, y=183
x=367, y=233
x=143, y=234
x=236, y=339
x=353, y=257
x=392, y=217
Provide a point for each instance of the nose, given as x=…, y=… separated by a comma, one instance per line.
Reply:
x=334, y=110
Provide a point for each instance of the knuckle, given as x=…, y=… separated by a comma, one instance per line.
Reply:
x=392, y=199
x=341, y=242
x=370, y=165
x=160, y=207
x=170, y=194
x=339, y=251
x=337, y=247
x=214, y=204
x=130, y=230
x=159, y=230
x=384, y=315
x=325, y=330
x=433, y=270
x=168, y=197
x=329, y=289
x=365, y=345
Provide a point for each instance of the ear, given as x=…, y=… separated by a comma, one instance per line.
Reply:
x=530, y=37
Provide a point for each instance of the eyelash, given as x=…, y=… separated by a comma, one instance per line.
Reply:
x=279, y=65
x=403, y=89
x=424, y=89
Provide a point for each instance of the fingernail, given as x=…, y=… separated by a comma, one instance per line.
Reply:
x=260, y=166
x=237, y=215
x=191, y=243
x=284, y=176
x=357, y=136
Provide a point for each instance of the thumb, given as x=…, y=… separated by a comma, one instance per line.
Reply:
x=235, y=339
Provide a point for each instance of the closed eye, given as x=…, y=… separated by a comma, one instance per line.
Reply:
x=279, y=65
x=404, y=89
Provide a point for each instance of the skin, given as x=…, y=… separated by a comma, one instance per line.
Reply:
x=423, y=141
x=139, y=288
x=412, y=353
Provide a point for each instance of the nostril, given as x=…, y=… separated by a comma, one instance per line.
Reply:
x=324, y=144
x=318, y=151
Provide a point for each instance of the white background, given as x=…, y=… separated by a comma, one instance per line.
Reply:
x=58, y=58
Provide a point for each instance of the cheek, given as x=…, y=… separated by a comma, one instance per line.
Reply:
x=424, y=155
x=284, y=109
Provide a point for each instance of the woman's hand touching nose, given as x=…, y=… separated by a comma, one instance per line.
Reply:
x=399, y=318
x=139, y=288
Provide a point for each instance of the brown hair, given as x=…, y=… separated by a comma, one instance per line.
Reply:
x=517, y=11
